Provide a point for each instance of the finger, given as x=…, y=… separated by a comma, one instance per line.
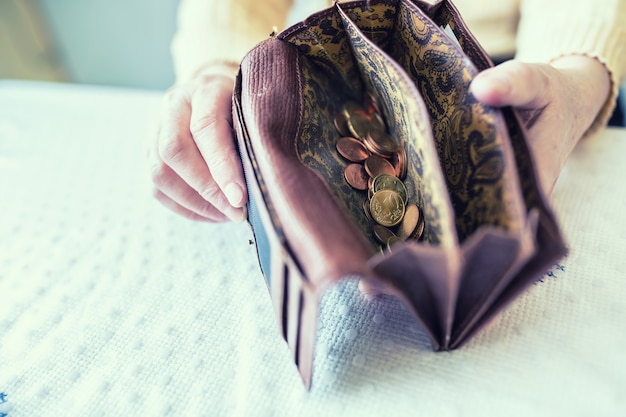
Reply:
x=513, y=83
x=177, y=195
x=211, y=127
x=177, y=208
x=195, y=208
x=368, y=289
x=178, y=151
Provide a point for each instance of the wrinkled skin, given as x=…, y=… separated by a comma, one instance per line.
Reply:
x=196, y=170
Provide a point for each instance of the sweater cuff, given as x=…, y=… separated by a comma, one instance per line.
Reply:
x=595, y=31
x=221, y=31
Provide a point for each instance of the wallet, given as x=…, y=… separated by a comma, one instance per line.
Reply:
x=390, y=81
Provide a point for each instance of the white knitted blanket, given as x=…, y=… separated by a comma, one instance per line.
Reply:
x=112, y=306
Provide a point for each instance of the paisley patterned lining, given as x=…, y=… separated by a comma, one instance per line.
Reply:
x=476, y=156
x=351, y=49
x=526, y=175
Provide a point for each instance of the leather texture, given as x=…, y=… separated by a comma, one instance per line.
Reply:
x=489, y=232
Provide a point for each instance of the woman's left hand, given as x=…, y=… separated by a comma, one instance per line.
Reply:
x=558, y=102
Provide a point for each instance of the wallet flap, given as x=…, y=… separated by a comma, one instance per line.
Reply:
x=550, y=248
x=314, y=223
x=492, y=258
x=426, y=278
x=481, y=299
x=474, y=148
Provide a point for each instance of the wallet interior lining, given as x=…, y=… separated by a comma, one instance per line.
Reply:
x=472, y=152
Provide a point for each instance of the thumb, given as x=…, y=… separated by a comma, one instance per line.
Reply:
x=514, y=83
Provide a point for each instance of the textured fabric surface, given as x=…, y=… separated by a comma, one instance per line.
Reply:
x=111, y=305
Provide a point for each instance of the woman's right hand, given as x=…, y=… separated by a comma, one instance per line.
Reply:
x=195, y=166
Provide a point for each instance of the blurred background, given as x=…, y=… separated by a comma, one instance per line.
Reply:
x=123, y=43
x=104, y=42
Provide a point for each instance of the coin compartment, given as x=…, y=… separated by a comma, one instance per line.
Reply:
x=461, y=169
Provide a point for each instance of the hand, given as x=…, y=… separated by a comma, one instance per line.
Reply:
x=558, y=102
x=195, y=166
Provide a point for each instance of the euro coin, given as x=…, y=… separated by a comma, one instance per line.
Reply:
x=379, y=142
x=390, y=182
x=359, y=124
x=398, y=160
x=392, y=241
x=382, y=234
x=351, y=107
x=366, y=210
x=387, y=208
x=371, y=104
x=375, y=166
x=419, y=230
x=341, y=124
x=352, y=149
x=409, y=222
x=356, y=176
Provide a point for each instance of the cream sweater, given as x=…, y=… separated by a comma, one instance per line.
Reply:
x=533, y=30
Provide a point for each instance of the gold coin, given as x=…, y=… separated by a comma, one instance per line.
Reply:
x=390, y=182
x=382, y=234
x=351, y=149
x=341, y=124
x=356, y=176
x=409, y=222
x=387, y=208
x=375, y=166
x=350, y=107
x=359, y=124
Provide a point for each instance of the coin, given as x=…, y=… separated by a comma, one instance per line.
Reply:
x=398, y=160
x=341, y=124
x=379, y=142
x=359, y=124
x=392, y=241
x=419, y=229
x=387, y=208
x=377, y=122
x=409, y=222
x=375, y=166
x=356, y=176
x=366, y=209
x=350, y=107
x=378, y=166
x=371, y=104
x=352, y=149
x=390, y=182
x=382, y=234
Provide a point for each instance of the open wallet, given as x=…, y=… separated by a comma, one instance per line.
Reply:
x=456, y=228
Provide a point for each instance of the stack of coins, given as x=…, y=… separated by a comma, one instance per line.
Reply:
x=378, y=165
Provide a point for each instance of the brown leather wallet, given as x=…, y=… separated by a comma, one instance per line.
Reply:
x=488, y=231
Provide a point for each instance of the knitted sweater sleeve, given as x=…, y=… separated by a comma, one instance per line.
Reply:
x=215, y=30
x=221, y=30
x=552, y=29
